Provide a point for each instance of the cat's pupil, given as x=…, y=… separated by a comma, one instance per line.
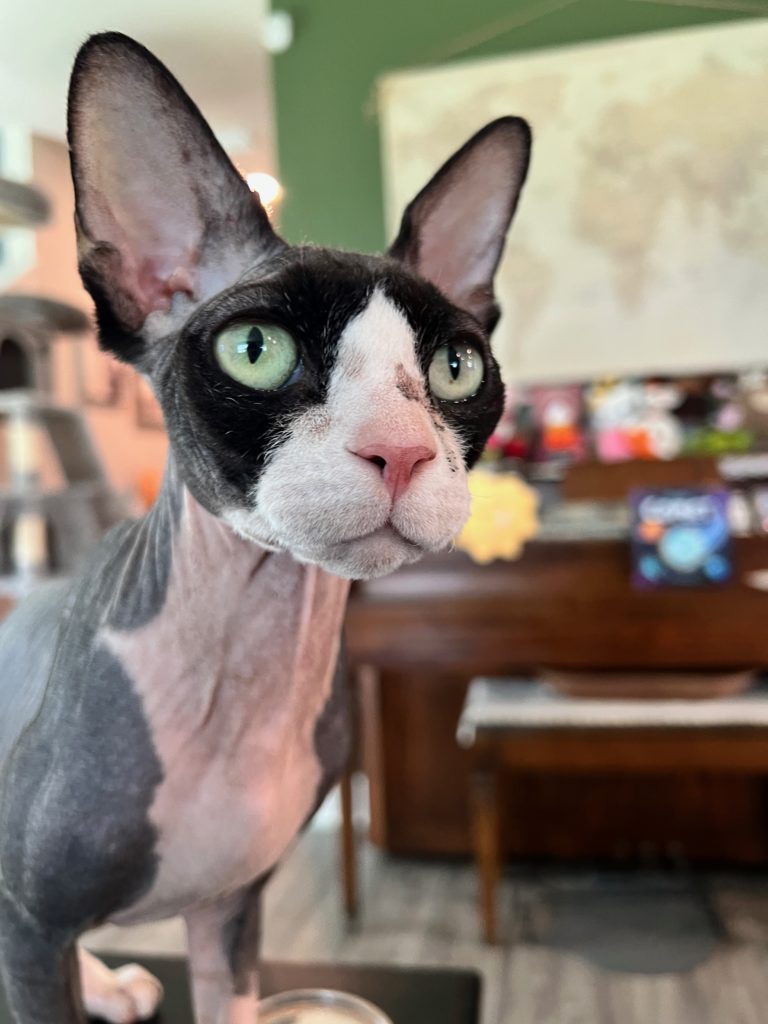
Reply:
x=454, y=362
x=255, y=344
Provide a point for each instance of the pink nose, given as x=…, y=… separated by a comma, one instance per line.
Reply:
x=397, y=463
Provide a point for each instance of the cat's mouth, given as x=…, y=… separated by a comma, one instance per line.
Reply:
x=375, y=552
x=387, y=531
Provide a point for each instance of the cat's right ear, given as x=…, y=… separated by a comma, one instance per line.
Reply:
x=160, y=209
x=453, y=232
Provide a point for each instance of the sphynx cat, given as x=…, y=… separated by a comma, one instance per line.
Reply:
x=171, y=718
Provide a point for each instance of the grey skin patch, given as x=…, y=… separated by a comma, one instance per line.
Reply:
x=241, y=937
x=145, y=554
x=408, y=386
x=27, y=651
x=78, y=765
x=40, y=971
x=333, y=733
x=77, y=843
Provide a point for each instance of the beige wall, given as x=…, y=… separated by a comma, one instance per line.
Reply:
x=129, y=452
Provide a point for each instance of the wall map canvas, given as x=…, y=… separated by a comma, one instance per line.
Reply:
x=641, y=241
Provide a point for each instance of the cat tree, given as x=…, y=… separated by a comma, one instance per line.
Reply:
x=55, y=500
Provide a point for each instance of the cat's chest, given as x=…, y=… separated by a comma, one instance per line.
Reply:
x=225, y=816
x=233, y=702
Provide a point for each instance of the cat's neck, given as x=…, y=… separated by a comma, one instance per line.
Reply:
x=188, y=547
x=191, y=530
x=198, y=604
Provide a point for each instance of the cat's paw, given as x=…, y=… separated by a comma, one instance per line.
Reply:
x=144, y=988
x=123, y=996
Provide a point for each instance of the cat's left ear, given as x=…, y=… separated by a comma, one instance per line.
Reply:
x=160, y=209
x=453, y=232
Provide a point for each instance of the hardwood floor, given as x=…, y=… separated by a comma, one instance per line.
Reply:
x=424, y=913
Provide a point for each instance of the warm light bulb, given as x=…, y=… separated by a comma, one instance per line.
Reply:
x=269, y=188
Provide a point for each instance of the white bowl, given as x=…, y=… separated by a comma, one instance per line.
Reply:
x=319, y=1006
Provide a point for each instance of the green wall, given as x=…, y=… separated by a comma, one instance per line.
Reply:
x=326, y=122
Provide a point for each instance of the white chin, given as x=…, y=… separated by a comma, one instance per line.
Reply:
x=375, y=555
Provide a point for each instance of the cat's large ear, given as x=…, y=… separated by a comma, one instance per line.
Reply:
x=160, y=210
x=453, y=232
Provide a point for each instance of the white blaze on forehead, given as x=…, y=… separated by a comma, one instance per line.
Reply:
x=377, y=394
x=372, y=347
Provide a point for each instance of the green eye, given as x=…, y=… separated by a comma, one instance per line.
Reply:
x=456, y=372
x=260, y=356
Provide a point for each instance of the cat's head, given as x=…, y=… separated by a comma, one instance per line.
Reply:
x=321, y=402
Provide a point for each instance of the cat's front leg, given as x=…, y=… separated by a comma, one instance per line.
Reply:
x=223, y=937
x=38, y=968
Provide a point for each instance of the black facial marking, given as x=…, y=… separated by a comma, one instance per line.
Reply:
x=223, y=432
x=333, y=732
x=78, y=795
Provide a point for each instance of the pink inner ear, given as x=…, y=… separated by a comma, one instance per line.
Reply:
x=464, y=220
x=141, y=193
x=460, y=245
x=156, y=242
x=156, y=287
x=161, y=210
x=463, y=233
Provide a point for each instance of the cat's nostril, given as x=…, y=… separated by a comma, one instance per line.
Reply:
x=398, y=464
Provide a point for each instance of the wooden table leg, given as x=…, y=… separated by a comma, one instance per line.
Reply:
x=348, y=847
x=487, y=843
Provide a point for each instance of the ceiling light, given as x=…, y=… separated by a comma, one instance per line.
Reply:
x=269, y=188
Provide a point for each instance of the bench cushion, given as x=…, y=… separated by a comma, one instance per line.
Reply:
x=496, y=703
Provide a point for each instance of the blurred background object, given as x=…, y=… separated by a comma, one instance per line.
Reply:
x=55, y=500
x=21, y=206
